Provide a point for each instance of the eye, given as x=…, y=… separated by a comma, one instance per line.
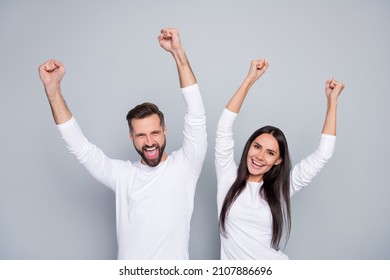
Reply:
x=256, y=146
x=271, y=153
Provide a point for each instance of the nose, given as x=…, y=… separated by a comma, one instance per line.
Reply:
x=260, y=155
x=149, y=140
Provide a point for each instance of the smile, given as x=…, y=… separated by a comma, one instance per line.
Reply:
x=151, y=152
x=258, y=164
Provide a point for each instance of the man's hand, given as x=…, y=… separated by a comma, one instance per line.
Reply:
x=169, y=40
x=51, y=73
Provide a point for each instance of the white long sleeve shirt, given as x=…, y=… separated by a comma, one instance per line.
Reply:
x=153, y=204
x=249, y=222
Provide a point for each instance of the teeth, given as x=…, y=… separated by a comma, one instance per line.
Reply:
x=151, y=152
x=257, y=163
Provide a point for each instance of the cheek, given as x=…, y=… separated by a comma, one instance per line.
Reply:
x=271, y=160
x=249, y=157
x=248, y=160
x=161, y=140
x=138, y=143
x=251, y=153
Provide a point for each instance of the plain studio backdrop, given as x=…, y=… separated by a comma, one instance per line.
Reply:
x=51, y=208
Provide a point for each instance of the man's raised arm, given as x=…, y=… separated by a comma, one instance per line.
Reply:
x=169, y=40
x=51, y=73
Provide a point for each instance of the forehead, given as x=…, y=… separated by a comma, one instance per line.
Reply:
x=267, y=141
x=148, y=124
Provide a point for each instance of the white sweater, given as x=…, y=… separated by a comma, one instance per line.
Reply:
x=249, y=221
x=153, y=204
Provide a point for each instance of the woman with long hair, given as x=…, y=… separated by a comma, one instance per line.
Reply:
x=254, y=198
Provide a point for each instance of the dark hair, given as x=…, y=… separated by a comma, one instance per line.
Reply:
x=142, y=111
x=275, y=189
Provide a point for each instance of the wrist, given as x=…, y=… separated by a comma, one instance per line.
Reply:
x=52, y=85
x=180, y=56
x=332, y=105
x=249, y=81
x=332, y=101
x=53, y=90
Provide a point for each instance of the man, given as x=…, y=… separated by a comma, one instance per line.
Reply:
x=155, y=195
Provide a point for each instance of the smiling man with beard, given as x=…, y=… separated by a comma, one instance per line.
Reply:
x=155, y=195
x=148, y=132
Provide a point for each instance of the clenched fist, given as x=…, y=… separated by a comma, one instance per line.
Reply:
x=333, y=89
x=51, y=72
x=169, y=40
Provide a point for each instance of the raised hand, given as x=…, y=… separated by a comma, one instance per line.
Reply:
x=257, y=69
x=333, y=89
x=169, y=40
x=51, y=72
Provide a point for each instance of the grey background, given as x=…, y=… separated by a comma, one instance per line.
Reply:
x=50, y=208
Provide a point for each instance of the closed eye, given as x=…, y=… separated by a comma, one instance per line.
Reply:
x=271, y=153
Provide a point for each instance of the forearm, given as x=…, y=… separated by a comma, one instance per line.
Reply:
x=186, y=76
x=329, y=127
x=333, y=89
x=238, y=98
x=59, y=109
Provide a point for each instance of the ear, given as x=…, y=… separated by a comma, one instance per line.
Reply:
x=279, y=161
x=131, y=136
x=165, y=131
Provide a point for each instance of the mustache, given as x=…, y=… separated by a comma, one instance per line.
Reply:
x=150, y=147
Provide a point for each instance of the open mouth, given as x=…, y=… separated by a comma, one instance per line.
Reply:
x=257, y=164
x=151, y=153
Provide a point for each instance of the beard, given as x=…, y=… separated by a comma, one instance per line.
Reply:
x=152, y=162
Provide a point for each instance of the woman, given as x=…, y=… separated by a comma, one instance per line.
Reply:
x=254, y=198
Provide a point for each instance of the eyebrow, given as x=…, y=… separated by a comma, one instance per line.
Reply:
x=152, y=132
x=156, y=131
x=270, y=150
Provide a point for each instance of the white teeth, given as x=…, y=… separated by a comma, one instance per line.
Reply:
x=150, y=149
x=257, y=163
